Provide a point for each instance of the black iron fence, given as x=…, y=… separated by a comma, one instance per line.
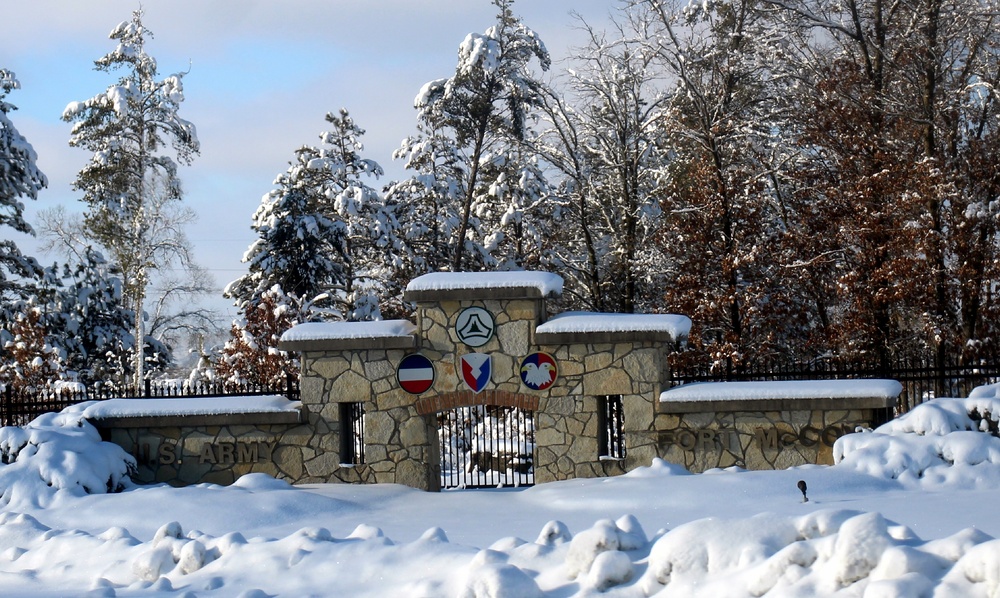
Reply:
x=610, y=427
x=352, y=433
x=19, y=407
x=923, y=378
x=486, y=447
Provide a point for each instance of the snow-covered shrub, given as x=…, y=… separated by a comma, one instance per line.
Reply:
x=585, y=546
x=714, y=547
x=859, y=546
x=554, y=532
x=940, y=440
x=499, y=580
x=631, y=536
x=609, y=569
x=59, y=452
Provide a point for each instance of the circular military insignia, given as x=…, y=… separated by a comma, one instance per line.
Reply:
x=415, y=373
x=475, y=326
x=539, y=371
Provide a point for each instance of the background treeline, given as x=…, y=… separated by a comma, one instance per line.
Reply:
x=801, y=178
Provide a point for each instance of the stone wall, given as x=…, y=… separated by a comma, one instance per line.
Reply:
x=751, y=439
x=398, y=440
x=567, y=418
x=196, y=449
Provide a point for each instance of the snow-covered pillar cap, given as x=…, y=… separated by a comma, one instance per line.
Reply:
x=468, y=286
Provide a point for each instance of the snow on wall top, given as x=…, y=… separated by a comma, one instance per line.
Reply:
x=159, y=407
x=792, y=389
x=547, y=283
x=582, y=321
x=313, y=331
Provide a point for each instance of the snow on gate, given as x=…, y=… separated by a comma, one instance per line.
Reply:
x=486, y=446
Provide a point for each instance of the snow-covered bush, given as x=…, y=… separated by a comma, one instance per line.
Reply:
x=59, y=452
x=596, y=556
x=940, y=440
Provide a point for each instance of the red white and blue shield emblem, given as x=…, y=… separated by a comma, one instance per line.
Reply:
x=476, y=370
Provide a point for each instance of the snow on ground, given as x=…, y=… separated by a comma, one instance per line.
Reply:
x=909, y=510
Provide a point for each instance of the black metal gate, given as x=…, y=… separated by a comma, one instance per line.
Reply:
x=487, y=447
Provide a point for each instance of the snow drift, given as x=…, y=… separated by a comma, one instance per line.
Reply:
x=59, y=454
x=940, y=441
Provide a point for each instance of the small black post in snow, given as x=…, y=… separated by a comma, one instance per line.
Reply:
x=802, y=488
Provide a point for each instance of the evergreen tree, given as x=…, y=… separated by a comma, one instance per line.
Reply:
x=85, y=318
x=325, y=236
x=471, y=124
x=128, y=127
x=19, y=179
x=367, y=248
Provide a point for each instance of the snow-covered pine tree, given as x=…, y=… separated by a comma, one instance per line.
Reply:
x=469, y=127
x=326, y=237
x=294, y=249
x=429, y=203
x=85, y=317
x=19, y=179
x=128, y=127
x=369, y=250
x=519, y=219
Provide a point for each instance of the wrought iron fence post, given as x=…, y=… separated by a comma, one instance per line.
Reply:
x=8, y=401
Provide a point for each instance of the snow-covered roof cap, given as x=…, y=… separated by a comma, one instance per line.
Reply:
x=163, y=411
x=579, y=326
x=437, y=286
x=319, y=336
x=771, y=395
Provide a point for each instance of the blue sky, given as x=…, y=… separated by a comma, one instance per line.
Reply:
x=263, y=73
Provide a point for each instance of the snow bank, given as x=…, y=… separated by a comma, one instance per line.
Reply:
x=58, y=453
x=311, y=331
x=824, y=553
x=941, y=441
x=584, y=322
x=546, y=282
x=829, y=552
x=792, y=389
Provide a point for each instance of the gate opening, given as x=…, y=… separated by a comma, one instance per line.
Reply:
x=485, y=446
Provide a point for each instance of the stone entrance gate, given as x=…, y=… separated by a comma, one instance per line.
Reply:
x=486, y=339
x=423, y=403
